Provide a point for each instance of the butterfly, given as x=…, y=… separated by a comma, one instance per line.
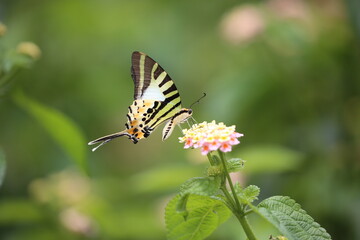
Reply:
x=156, y=100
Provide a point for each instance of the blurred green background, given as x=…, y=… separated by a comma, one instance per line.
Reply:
x=285, y=72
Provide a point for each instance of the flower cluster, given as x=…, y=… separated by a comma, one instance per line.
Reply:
x=210, y=137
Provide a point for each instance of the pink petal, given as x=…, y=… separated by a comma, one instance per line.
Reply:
x=225, y=147
x=234, y=141
x=237, y=135
x=214, y=145
x=188, y=143
x=205, y=149
x=198, y=144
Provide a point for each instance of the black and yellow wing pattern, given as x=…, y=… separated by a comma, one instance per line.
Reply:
x=156, y=100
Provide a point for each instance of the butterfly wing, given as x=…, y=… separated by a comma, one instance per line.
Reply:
x=153, y=83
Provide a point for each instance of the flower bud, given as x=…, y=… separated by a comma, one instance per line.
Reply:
x=213, y=171
x=29, y=49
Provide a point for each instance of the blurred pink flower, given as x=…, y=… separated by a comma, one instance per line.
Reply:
x=242, y=24
x=210, y=137
x=78, y=222
x=289, y=8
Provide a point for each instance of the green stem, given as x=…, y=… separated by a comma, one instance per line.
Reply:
x=211, y=160
x=246, y=226
x=222, y=157
x=237, y=208
x=248, y=212
x=229, y=198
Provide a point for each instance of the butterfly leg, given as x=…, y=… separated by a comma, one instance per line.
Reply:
x=193, y=119
x=180, y=127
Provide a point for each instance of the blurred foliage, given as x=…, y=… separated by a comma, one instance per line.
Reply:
x=285, y=72
x=2, y=167
x=59, y=126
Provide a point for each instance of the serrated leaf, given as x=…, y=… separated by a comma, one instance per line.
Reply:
x=205, y=186
x=292, y=221
x=2, y=167
x=235, y=164
x=61, y=128
x=248, y=194
x=204, y=215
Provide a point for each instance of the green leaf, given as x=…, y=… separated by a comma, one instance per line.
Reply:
x=181, y=205
x=248, y=194
x=204, y=215
x=235, y=164
x=61, y=128
x=292, y=221
x=2, y=167
x=204, y=186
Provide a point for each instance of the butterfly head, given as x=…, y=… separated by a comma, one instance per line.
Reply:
x=183, y=115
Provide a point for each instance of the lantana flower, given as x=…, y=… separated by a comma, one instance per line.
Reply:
x=210, y=137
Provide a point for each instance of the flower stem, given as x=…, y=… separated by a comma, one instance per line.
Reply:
x=246, y=226
x=211, y=160
x=228, y=196
x=237, y=207
x=222, y=157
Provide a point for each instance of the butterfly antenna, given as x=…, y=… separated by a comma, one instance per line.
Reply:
x=197, y=101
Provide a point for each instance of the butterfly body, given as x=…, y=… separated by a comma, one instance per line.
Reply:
x=156, y=100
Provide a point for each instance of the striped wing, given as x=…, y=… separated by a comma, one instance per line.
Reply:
x=153, y=83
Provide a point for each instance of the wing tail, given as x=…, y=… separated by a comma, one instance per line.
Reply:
x=105, y=139
x=169, y=127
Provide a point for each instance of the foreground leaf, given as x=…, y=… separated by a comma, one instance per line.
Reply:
x=2, y=167
x=204, y=215
x=204, y=186
x=292, y=221
x=235, y=164
x=248, y=194
x=59, y=126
